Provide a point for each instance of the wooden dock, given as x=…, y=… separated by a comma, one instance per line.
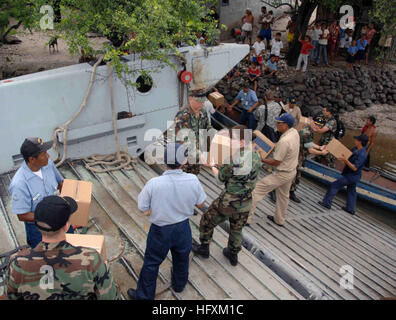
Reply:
x=114, y=213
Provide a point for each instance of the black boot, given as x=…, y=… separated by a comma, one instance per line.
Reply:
x=272, y=195
x=201, y=249
x=231, y=256
x=132, y=294
x=293, y=197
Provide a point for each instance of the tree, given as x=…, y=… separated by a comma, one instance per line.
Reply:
x=378, y=10
x=152, y=28
x=21, y=11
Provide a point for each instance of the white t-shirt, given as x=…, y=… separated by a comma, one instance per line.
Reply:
x=265, y=19
x=345, y=41
x=276, y=47
x=325, y=33
x=259, y=46
x=315, y=34
x=38, y=173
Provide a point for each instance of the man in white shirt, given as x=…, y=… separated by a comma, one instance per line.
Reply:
x=314, y=34
x=171, y=198
x=323, y=39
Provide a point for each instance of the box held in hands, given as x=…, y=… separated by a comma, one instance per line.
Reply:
x=216, y=98
x=337, y=149
x=81, y=192
x=263, y=144
x=92, y=241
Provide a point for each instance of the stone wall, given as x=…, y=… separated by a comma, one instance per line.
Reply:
x=345, y=90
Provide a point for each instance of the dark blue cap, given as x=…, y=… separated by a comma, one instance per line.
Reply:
x=363, y=139
x=175, y=154
x=292, y=99
x=286, y=118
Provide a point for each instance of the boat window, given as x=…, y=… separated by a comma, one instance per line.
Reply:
x=144, y=83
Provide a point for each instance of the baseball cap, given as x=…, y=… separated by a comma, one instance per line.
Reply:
x=33, y=146
x=363, y=139
x=319, y=120
x=54, y=211
x=175, y=154
x=286, y=118
x=292, y=100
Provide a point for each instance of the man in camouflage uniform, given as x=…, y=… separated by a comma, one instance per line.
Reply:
x=54, y=269
x=235, y=200
x=307, y=146
x=328, y=133
x=193, y=118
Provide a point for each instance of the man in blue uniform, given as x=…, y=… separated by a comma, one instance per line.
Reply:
x=249, y=101
x=36, y=179
x=171, y=199
x=350, y=176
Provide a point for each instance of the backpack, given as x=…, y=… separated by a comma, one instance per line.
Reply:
x=340, y=132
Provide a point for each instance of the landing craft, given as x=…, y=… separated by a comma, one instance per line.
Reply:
x=35, y=104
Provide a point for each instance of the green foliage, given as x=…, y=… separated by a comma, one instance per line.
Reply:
x=20, y=10
x=384, y=12
x=150, y=28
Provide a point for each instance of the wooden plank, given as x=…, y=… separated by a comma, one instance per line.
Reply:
x=327, y=240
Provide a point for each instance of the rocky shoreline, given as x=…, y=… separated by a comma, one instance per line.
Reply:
x=355, y=94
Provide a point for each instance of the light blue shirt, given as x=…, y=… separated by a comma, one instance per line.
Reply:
x=360, y=45
x=27, y=189
x=171, y=197
x=247, y=99
x=272, y=65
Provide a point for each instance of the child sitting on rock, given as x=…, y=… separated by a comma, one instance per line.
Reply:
x=253, y=74
x=272, y=67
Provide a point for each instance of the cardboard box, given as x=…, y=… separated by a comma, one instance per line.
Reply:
x=93, y=241
x=216, y=98
x=263, y=144
x=337, y=149
x=220, y=150
x=80, y=191
x=303, y=122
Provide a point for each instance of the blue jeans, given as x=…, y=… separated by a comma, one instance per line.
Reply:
x=33, y=235
x=350, y=182
x=313, y=55
x=322, y=52
x=249, y=117
x=176, y=238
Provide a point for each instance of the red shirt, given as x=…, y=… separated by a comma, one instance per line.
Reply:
x=254, y=72
x=306, y=46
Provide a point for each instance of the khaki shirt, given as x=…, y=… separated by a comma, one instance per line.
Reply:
x=295, y=112
x=287, y=150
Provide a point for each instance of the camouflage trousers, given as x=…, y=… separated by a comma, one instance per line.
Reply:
x=327, y=160
x=192, y=168
x=227, y=207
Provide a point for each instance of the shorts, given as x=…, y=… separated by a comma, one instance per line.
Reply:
x=360, y=55
x=247, y=34
x=259, y=60
x=350, y=59
x=266, y=34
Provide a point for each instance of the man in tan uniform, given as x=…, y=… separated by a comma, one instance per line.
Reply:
x=285, y=162
x=294, y=110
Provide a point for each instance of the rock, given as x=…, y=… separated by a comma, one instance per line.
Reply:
x=357, y=102
x=349, y=108
x=361, y=107
x=299, y=87
x=348, y=98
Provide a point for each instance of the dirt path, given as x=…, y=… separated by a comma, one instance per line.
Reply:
x=32, y=55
